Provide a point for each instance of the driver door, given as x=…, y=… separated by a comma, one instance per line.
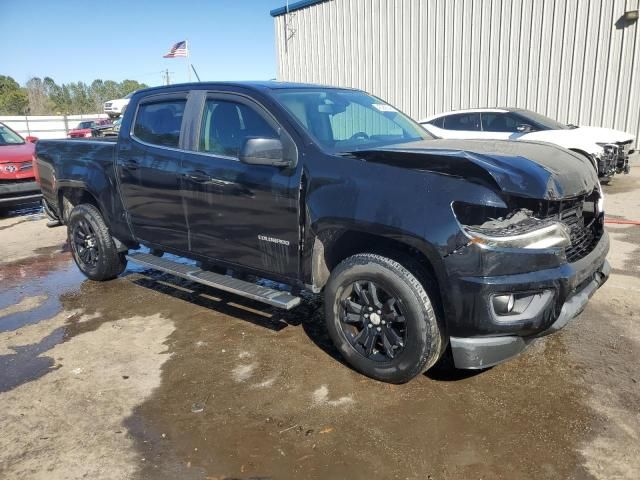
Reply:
x=238, y=213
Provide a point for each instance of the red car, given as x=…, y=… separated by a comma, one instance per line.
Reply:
x=17, y=178
x=83, y=130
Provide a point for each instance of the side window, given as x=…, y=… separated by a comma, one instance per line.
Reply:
x=226, y=124
x=499, y=122
x=159, y=123
x=462, y=121
x=437, y=122
x=357, y=119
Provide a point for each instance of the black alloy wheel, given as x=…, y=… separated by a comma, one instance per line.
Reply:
x=85, y=244
x=373, y=321
x=93, y=248
x=380, y=316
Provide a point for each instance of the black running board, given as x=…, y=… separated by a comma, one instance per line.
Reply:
x=276, y=298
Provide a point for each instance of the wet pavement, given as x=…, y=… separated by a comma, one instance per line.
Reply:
x=152, y=377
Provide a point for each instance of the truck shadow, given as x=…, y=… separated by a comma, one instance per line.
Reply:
x=222, y=302
x=309, y=315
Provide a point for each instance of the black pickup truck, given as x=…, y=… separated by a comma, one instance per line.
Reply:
x=418, y=245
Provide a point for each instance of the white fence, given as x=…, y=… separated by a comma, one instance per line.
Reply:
x=47, y=126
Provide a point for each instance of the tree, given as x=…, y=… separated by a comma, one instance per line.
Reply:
x=38, y=94
x=44, y=96
x=13, y=98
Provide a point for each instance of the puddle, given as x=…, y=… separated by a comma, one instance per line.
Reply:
x=42, y=276
x=31, y=210
x=26, y=364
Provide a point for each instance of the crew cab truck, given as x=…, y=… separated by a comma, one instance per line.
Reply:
x=419, y=246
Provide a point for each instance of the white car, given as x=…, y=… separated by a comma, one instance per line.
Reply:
x=607, y=149
x=115, y=108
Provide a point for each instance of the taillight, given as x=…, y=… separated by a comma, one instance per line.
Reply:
x=36, y=173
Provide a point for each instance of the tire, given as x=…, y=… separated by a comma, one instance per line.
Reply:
x=605, y=180
x=423, y=340
x=91, y=244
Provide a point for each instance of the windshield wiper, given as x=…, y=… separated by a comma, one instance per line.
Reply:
x=572, y=126
x=352, y=154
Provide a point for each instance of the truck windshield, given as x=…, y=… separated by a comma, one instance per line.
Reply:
x=9, y=137
x=343, y=121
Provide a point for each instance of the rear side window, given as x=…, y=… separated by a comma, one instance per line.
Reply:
x=437, y=122
x=159, y=123
x=462, y=121
x=227, y=124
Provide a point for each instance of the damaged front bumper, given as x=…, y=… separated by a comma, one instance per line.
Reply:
x=562, y=294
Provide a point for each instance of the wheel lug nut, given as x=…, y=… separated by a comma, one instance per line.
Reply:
x=383, y=322
x=371, y=325
x=366, y=315
x=378, y=329
x=371, y=309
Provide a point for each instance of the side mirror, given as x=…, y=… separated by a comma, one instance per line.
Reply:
x=31, y=139
x=263, y=151
x=524, y=128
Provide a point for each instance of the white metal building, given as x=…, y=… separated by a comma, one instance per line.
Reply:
x=574, y=60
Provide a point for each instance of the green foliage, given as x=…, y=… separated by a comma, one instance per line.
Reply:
x=13, y=98
x=46, y=97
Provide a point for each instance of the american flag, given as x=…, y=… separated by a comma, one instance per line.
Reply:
x=178, y=50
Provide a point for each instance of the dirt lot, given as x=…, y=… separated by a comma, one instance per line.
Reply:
x=148, y=377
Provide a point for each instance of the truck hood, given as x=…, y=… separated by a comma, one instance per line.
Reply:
x=526, y=169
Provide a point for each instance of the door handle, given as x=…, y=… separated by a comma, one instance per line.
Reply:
x=131, y=164
x=197, y=176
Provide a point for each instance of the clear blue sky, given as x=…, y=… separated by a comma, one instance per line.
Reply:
x=75, y=40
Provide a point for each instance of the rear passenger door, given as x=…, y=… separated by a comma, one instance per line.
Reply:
x=149, y=170
x=238, y=213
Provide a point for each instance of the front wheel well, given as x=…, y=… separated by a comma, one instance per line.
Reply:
x=332, y=247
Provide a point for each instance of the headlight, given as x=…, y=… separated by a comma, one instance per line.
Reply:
x=554, y=234
x=518, y=229
x=600, y=204
x=608, y=148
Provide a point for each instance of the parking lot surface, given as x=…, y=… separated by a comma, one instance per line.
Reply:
x=151, y=377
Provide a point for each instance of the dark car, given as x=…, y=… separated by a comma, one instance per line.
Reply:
x=416, y=244
x=110, y=129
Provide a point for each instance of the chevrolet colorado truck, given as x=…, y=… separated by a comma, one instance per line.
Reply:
x=420, y=246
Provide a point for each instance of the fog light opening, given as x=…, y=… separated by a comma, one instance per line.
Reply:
x=503, y=304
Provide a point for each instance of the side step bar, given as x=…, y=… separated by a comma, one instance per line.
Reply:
x=267, y=295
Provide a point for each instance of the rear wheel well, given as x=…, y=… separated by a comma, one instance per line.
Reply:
x=69, y=197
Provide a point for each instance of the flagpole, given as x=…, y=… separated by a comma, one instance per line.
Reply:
x=188, y=59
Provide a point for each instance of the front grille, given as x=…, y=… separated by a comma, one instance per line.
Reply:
x=584, y=227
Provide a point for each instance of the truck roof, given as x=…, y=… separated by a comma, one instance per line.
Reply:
x=254, y=85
